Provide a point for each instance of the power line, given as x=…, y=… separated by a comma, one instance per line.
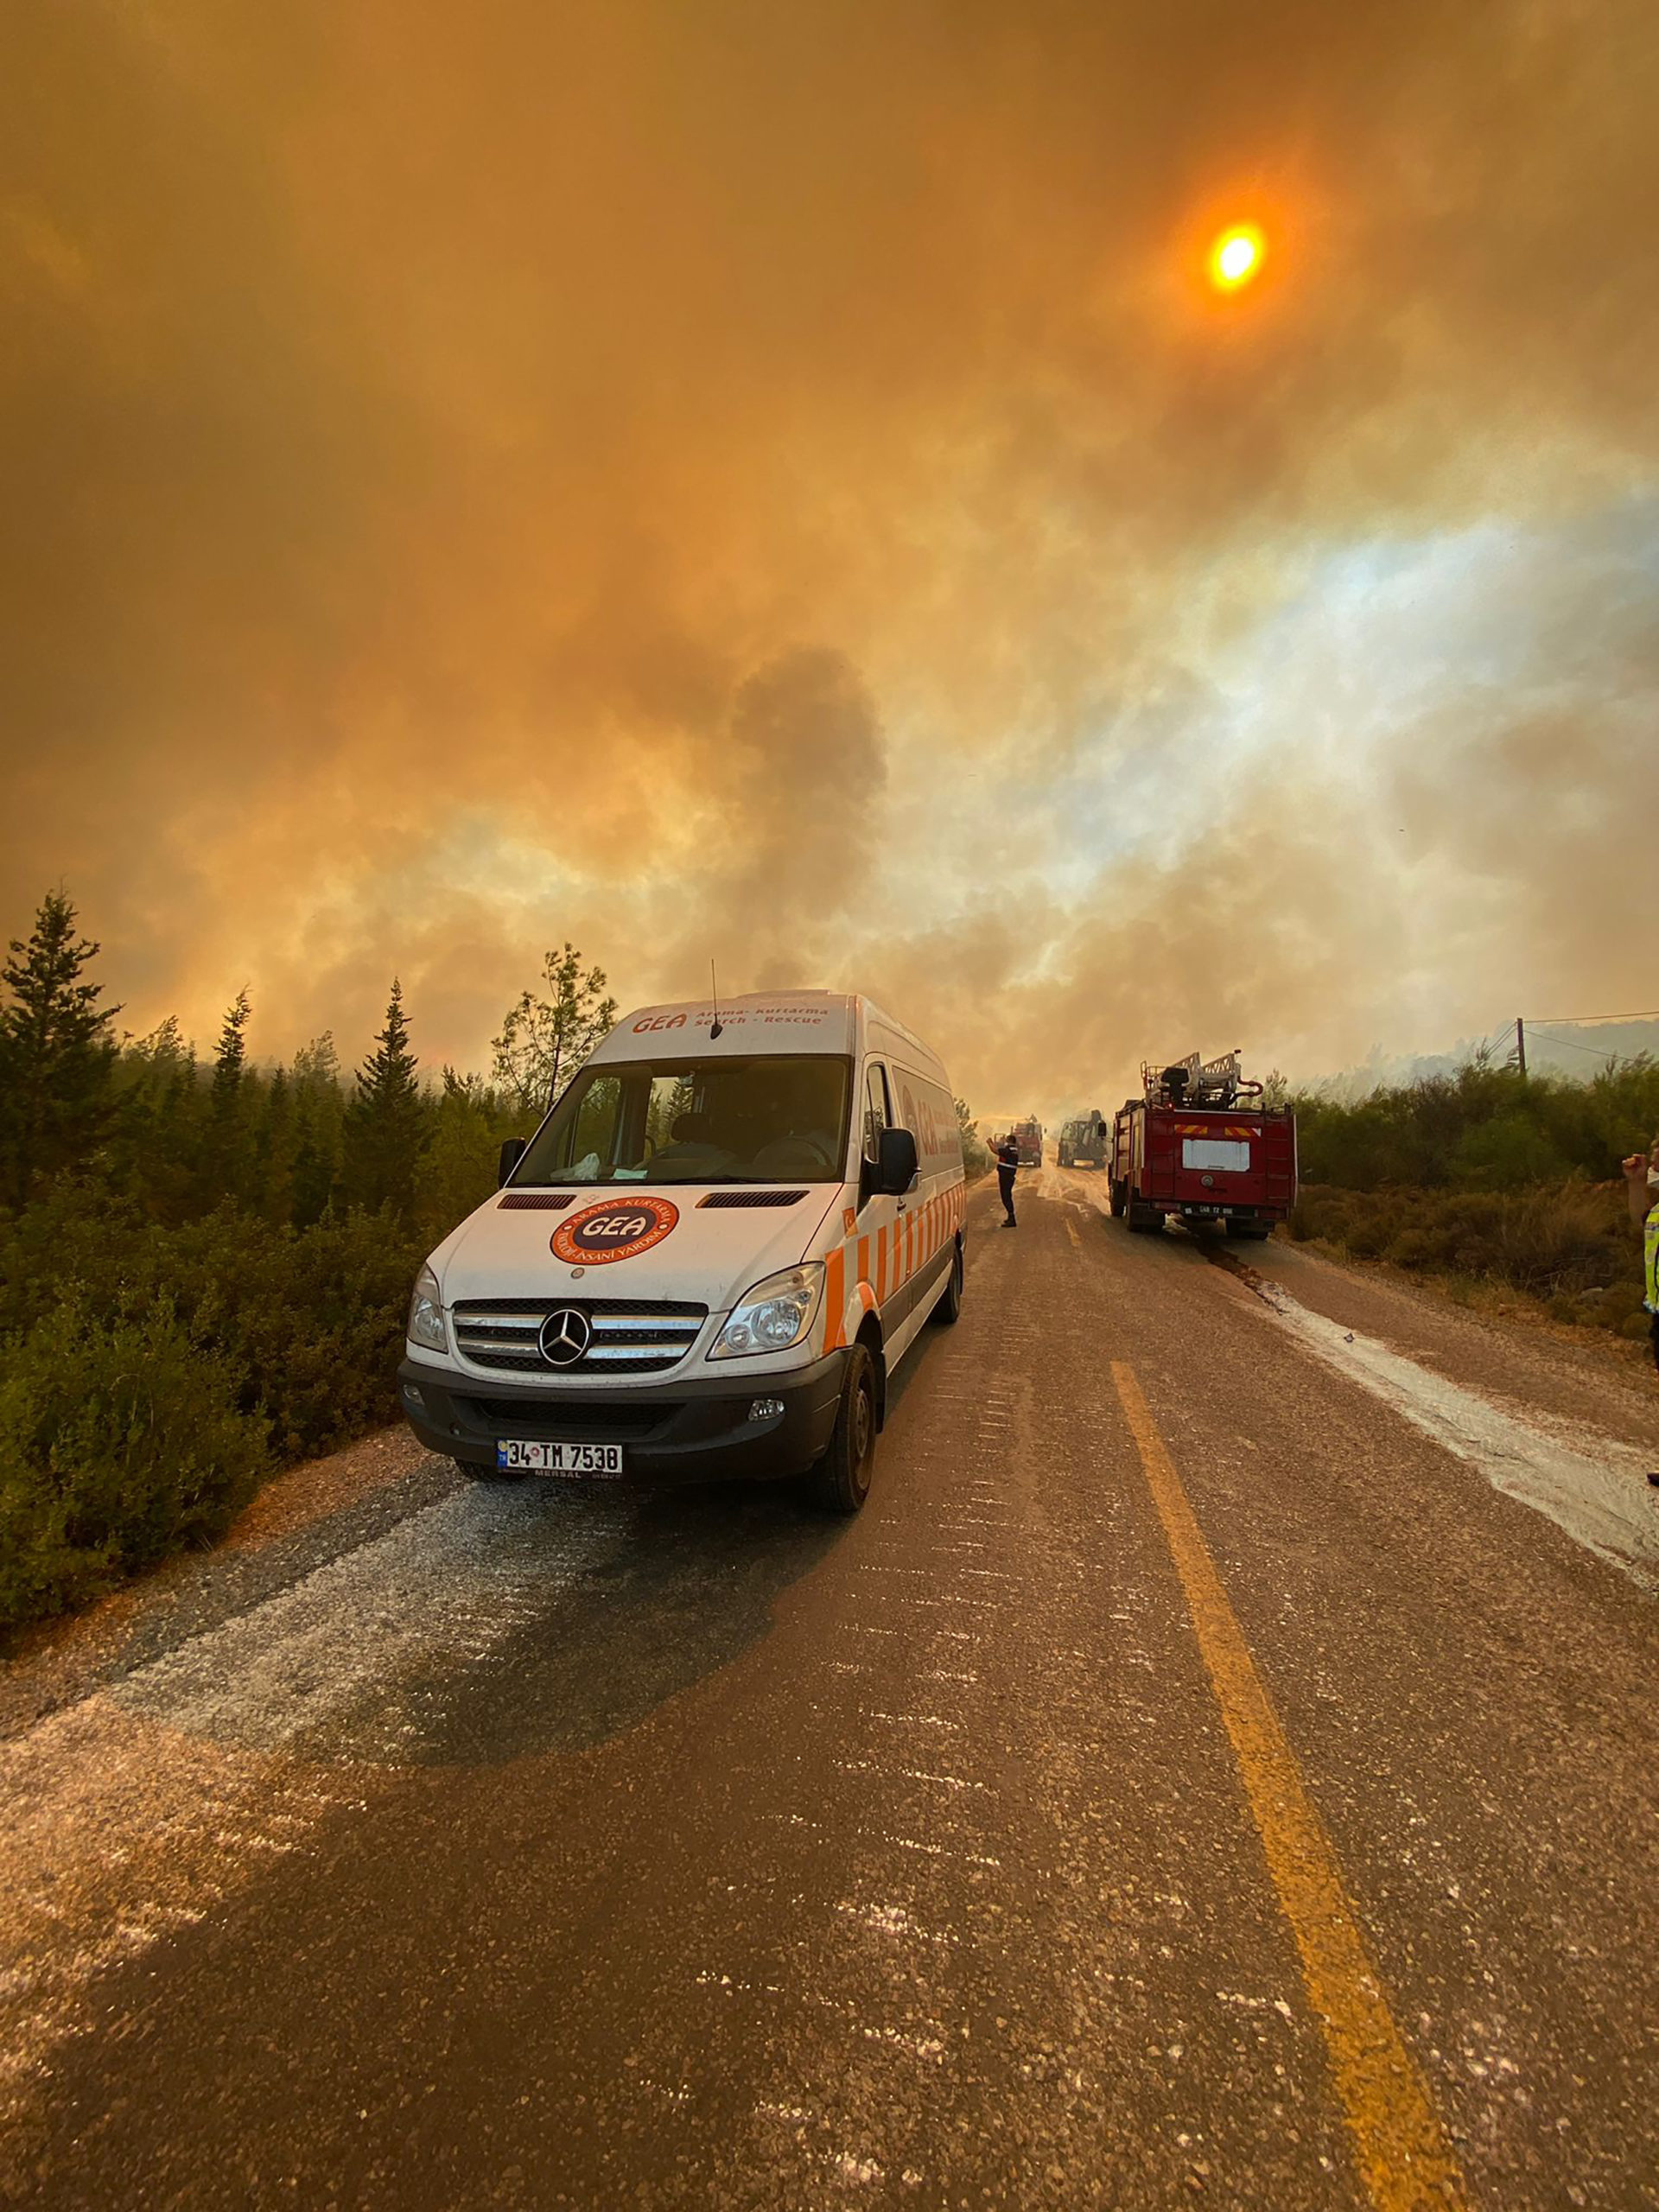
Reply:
x=1540, y=1021
x=1596, y=1052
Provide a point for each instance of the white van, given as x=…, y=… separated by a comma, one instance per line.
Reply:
x=707, y=1260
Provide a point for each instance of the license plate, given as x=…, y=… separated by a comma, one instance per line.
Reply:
x=601, y=1460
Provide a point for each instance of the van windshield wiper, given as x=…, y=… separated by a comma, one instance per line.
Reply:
x=626, y=1182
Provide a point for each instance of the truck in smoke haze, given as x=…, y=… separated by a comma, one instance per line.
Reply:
x=1196, y=1147
x=1084, y=1142
x=1028, y=1135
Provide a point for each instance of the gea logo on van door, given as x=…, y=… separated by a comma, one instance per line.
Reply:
x=616, y=1231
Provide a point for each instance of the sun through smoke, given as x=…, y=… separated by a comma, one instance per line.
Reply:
x=1235, y=256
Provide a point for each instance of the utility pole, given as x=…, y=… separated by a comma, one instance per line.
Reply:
x=1521, y=1042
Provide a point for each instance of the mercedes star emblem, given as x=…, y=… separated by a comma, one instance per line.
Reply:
x=565, y=1335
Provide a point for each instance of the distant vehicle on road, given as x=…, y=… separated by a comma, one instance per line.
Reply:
x=709, y=1259
x=1195, y=1147
x=1085, y=1142
x=1028, y=1135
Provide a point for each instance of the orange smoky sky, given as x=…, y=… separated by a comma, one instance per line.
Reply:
x=774, y=483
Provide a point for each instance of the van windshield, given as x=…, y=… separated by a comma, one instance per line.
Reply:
x=769, y=1119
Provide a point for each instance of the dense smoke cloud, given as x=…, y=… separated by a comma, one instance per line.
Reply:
x=770, y=482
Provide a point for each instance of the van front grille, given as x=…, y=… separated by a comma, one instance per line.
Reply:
x=624, y=1336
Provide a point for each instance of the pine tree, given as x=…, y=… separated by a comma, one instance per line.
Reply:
x=224, y=1161
x=275, y=1147
x=158, y=1137
x=387, y=1120
x=317, y=1118
x=458, y=1164
x=57, y=1057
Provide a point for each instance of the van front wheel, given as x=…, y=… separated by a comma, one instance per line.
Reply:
x=841, y=1481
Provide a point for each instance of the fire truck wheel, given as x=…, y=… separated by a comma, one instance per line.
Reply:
x=1257, y=1231
x=1144, y=1218
x=1120, y=1198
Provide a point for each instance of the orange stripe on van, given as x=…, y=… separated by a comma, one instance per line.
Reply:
x=863, y=1259
x=835, y=1298
x=880, y=1266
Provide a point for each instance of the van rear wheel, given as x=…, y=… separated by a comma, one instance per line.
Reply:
x=948, y=1306
x=841, y=1481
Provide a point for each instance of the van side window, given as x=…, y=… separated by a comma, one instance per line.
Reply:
x=878, y=1114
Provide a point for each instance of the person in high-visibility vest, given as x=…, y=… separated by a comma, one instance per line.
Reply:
x=1641, y=1190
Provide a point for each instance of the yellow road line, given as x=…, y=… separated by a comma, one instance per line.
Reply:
x=1071, y=1231
x=1403, y=2157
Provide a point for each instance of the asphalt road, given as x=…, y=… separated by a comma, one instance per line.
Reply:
x=1212, y=1769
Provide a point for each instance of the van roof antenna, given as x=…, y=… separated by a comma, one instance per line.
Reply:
x=715, y=996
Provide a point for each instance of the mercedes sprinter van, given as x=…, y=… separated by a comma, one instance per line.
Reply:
x=709, y=1259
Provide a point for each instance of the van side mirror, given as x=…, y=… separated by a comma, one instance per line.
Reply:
x=896, y=1165
x=512, y=1151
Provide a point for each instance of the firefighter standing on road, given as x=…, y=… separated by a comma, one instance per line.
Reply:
x=1007, y=1161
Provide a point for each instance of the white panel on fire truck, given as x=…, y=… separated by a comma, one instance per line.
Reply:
x=1215, y=1152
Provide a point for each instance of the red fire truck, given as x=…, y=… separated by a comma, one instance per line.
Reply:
x=1196, y=1145
x=1028, y=1135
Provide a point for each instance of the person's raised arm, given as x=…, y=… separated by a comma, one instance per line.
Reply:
x=1637, y=1193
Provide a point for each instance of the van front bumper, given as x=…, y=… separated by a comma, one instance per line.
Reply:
x=698, y=1430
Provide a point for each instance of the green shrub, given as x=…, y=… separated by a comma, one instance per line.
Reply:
x=265, y=1345
x=1483, y=1128
x=1572, y=1242
x=309, y=1321
x=120, y=1441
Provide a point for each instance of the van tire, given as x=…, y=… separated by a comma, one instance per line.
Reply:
x=947, y=1307
x=480, y=1473
x=841, y=1481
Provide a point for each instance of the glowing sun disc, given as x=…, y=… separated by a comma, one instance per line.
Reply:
x=1235, y=256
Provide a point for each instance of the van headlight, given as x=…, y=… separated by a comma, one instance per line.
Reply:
x=426, y=1314
x=772, y=1315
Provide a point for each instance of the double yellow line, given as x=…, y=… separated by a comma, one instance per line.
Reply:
x=1400, y=2147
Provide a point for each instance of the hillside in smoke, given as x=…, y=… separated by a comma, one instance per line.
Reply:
x=1576, y=1052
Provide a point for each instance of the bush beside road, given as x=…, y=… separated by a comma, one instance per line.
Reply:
x=1568, y=1248
x=152, y=1378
